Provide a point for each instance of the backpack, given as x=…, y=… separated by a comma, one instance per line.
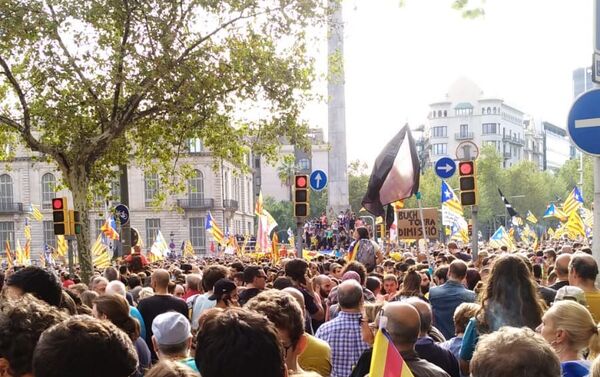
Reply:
x=366, y=254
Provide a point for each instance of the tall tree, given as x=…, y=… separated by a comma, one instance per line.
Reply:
x=91, y=83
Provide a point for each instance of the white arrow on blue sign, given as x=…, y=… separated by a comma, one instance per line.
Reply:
x=318, y=180
x=584, y=122
x=445, y=167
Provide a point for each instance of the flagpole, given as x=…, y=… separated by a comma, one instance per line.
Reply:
x=425, y=239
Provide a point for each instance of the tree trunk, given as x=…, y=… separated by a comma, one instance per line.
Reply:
x=79, y=187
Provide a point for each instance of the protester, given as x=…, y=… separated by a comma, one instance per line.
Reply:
x=200, y=303
x=343, y=333
x=447, y=297
x=118, y=288
x=583, y=271
x=515, y=352
x=22, y=321
x=570, y=329
x=403, y=324
x=426, y=347
x=193, y=284
x=256, y=280
x=561, y=268
x=115, y=309
x=99, y=284
x=172, y=338
x=411, y=286
x=390, y=287
x=101, y=350
x=296, y=269
x=463, y=313
x=367, y=251
x=160, y=302
x=238, y=342
x=168, y=368
x=37, y=281
x=509, y=298
x=224, y=294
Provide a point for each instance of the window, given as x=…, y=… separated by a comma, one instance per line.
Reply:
x=98, y=226
x=464, y=130
x=150, y=188
x=439, y=113
x=439, y=131
x=494, y=110
x=250, y=198
x=196, y=145
x=6, y=191
x=48, y=185
x=226, y=186
x=242, y=195
x=304, y=164
x=445, y=113
x=152, y=228
x=249, y=227
x=49, y=237
x=197, y=233
x=439, y=149
x=7, y=232
x=196, y=187
x=115, y=190
x=489, y=128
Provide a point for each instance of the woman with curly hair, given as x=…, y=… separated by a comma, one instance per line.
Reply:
x=509, y=298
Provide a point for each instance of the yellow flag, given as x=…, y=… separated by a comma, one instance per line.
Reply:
x=37, y=215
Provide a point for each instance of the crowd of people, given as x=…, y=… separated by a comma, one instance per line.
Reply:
x=523, y=313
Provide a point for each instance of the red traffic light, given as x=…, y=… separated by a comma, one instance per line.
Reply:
x=57, y=203
x=301, y=181
x=465, y=168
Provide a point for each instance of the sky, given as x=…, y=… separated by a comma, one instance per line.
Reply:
x=398, y=60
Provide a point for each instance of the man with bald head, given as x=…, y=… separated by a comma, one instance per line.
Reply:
x=561, y=268
x=403, y=325
x=344, y=332
x=583, y=271
x=426, y=347
x=160, y=303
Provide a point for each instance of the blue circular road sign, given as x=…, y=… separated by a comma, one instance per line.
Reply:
x=122, y=213
x=318, y=180
x=445, y=167
x=584, y=122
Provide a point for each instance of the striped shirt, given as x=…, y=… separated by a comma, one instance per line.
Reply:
x=344, y=337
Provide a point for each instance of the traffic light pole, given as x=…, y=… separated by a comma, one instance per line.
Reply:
x=299, y=231
x=125, y=228
x=70, y=253
x=475, y=233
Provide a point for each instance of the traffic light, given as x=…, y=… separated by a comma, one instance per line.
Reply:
x=467, y=183
x=301, y=196
x=470, y=227
x=60, y=216
x=74, y=223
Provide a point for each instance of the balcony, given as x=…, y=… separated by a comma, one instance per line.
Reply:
x=199, y=204
x=513, y=140
x=231, y=205
x=464, y=136
x=7, y=208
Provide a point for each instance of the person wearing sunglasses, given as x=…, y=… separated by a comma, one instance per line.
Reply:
x=256, y=280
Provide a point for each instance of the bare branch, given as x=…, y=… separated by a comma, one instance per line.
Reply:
x=17, y=88
x=75, y=67
x=120, y=64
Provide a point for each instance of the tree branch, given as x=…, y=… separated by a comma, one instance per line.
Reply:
x=120, y=64
x=17, y=88
x=75, y=67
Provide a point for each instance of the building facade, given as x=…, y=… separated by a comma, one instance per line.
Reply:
x=582, y=81
x=269, y=177
x=466, y=115
x=224, y=191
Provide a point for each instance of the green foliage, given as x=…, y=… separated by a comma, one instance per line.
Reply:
x=318, y=203
x=281, y=211
x=88, y=84
x=358, y=181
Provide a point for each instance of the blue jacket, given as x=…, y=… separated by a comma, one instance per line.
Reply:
x=444, y=301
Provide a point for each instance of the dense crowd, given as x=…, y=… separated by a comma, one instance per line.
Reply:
x=523, y=313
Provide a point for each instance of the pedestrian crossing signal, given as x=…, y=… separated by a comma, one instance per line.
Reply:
x=60, y=216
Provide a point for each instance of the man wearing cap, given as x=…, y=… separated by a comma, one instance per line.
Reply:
x=172, y=339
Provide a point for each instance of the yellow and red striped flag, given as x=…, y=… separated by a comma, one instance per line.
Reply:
x=386, y=360
x=9, y=257
x=352, y=254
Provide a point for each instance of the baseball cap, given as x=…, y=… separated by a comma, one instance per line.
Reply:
x=171, y=328
x=569, y=292
x=222, y=286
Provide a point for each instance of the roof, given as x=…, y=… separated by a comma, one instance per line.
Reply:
x=463, y=105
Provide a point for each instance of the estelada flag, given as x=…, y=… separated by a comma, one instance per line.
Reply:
x=386, y=360
x=395, y=175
